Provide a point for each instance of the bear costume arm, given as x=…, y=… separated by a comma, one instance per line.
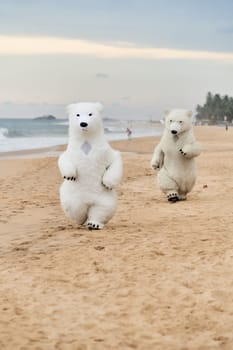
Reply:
x=191, y=150
x=158, y=157
x=113, y=173
x=66, y=167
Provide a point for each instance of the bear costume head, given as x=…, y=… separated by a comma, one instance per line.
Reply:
x=84, y=118
x=178, y=121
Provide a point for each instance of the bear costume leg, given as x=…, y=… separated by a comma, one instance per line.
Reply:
x=168, y=185
x=102, y=211
x=72, y=204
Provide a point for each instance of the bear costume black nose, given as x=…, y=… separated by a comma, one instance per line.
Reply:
x=83, y=125
x=174, y=132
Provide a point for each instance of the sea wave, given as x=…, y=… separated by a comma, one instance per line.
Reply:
x=19, y=134
x=3, y=133
x=115, y=130
x=66, y=123
x=6, y=133
x=27, y=143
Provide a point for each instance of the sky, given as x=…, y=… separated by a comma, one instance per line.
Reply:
x=137, y=57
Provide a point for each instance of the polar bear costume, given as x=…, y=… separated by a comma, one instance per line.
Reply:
x=90, y=167
x=174, y=155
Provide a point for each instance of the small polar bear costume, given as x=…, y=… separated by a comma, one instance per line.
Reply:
x=174, y=155
x=90, y=167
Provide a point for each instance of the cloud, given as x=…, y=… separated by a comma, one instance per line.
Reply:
x=37, y=45
x=102, y=75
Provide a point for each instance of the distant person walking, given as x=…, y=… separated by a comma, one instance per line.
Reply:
x=226, y=122
x=129, y=133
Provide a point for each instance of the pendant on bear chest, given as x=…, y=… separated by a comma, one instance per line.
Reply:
x=86, y=147
x=175, y=138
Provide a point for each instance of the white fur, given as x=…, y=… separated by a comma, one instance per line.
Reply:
x=96, y=167
x=174, y=155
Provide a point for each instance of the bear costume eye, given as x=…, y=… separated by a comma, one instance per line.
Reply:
x=90, y=114
x=180, y=122
x=77, y=115
x=170, y=121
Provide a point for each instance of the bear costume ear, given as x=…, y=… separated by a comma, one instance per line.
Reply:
x=99, y=106
x=167, y=111
x=189, y=114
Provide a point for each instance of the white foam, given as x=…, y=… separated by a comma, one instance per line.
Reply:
x=24, y=143
x=3, y=133
x=66, y=123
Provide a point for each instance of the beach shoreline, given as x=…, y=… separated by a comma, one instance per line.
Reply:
x=51, y=151
x=158, y=276
x=54, y=151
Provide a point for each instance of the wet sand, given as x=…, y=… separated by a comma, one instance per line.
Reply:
x=159, y=276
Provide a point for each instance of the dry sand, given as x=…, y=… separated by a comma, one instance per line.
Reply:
x=159, y=276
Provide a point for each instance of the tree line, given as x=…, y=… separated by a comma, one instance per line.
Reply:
x=215, y=108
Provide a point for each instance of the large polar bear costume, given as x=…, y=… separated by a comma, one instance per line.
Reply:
x=174, y=155
x=90, y=167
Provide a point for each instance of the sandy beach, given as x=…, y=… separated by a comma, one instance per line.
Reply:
x=159, y=276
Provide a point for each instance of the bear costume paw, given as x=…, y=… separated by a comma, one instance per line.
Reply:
x=182, y=152
x=72, y=178
x=92, y=225
x=173, y=197
x=108, y=187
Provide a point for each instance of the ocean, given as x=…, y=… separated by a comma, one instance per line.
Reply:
x=29, y=134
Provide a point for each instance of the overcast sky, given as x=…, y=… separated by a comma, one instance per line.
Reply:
x=138, y=57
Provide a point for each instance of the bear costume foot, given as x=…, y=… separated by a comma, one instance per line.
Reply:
x=172, y=197
x=92, y=225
